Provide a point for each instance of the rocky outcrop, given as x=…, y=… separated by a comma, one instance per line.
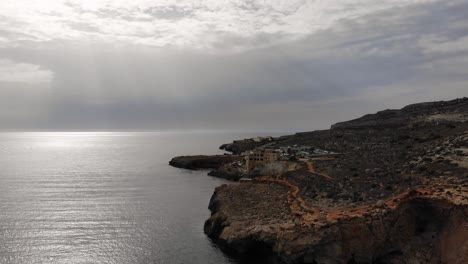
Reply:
x=229, y=167
x=239, y=146
x=203, y=161
x=228, y=172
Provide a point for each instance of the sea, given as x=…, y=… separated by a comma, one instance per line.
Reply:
x=102, y=197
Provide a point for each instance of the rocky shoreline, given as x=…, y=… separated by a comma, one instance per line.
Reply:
x=397, y=193
x=202, y=161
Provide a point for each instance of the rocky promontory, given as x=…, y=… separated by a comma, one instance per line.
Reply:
x=396, y=193
x=239, y=146
x=228, y=167
x=202, y=161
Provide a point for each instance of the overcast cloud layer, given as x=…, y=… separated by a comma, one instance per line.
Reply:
x=225, y=65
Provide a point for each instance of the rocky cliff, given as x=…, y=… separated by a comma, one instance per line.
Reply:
x=397, y=193
x=433, y=112
x=416, y=226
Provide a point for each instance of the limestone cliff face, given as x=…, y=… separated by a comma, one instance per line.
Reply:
x=229, y=172
x=422, y=228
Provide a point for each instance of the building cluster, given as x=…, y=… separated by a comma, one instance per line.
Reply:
x=302, y=152
x=262, y=139
x=262, y=156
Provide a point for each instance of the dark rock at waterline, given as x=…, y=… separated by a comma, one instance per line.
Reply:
x=228, y=172
x=203, y=161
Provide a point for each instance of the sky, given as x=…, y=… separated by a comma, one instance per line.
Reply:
x=277, y=65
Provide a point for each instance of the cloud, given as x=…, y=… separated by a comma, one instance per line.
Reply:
x=199, y=24
x=23, y=73
x=255, y=65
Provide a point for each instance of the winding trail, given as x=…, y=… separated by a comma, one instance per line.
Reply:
x=298, y=206
x=310, y=167
x=311, y=215
x=321, y=215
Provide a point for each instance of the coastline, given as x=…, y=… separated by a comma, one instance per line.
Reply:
x=397, y=193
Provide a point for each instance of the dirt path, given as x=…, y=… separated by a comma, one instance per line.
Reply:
x=297, y=204
x=310, y=167
x=311, y=215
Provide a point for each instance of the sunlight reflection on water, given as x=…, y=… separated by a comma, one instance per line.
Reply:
x=104, y=198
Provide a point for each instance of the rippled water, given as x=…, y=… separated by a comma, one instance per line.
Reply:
x=104, y=198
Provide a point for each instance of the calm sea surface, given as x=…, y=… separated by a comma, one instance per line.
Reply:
x=105, y=198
